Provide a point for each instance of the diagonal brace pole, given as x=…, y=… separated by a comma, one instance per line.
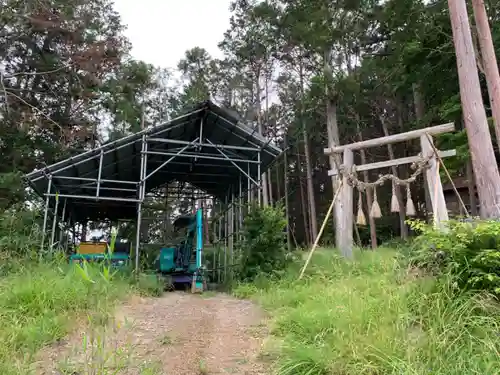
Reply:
x=316, y=241
x=172, y=158
x=233, y=163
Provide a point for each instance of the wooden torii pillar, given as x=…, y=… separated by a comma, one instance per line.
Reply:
x=344, y=226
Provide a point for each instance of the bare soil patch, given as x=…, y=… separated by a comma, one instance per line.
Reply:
x=177, y=334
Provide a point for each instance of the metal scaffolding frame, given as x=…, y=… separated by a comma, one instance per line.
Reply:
x=209, y=148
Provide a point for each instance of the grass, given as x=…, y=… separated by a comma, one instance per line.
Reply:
x=166, y=340
x=41, y=302
x=202, y=368
x=373, y=317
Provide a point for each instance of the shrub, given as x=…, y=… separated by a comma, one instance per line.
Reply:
x=468, y=252
x=263, y=247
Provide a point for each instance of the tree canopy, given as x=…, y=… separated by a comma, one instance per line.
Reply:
x=69, y=83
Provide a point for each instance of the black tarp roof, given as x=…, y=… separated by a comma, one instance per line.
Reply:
x=122, y=160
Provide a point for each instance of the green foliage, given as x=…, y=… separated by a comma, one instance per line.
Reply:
x=263, y=247
x=11, y=189
x=371, y=316
x=244, y=290
x=19, y=234
x=469, y=252
x=458, y=140
x=79, y=47
x=135, y=91
x=150, y=284
x=149, y=256
x=147, y=284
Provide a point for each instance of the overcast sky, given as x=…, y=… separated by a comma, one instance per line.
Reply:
x=162, y=30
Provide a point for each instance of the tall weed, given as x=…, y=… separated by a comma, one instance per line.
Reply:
x=19, y=234
x=38, y=306
x=41, y=298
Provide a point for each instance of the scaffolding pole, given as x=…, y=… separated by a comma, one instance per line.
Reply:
x=259, y=179
x=142, y=188
x=54, y=223
x=218, y=246
x=45, y=216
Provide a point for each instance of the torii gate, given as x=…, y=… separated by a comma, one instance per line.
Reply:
x=344, y=221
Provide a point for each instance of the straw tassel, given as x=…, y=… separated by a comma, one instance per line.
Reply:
x=410, y=207
x=360, y=219
x=375, y=210
x=394, y=199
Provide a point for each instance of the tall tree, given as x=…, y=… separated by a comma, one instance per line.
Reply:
x=489, y=61
x=57, y=59
x=196, y=69
x=476, y=124
x=130, y=95
x=249, y=44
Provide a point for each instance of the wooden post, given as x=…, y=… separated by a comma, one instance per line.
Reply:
x=434, y=183
x=333, y=140
x=344, y=227
x=285, y=192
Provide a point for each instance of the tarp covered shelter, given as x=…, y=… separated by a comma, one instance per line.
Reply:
x=209, y=147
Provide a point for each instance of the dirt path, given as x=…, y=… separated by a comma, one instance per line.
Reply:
x=177, y=334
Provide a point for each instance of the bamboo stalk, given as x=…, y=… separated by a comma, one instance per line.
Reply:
x=438, y=156
x=321, y=229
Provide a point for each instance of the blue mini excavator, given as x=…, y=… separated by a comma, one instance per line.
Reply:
x=182, y=261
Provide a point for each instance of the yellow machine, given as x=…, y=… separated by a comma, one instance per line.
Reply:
x=100, y=251
x=92, y=248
